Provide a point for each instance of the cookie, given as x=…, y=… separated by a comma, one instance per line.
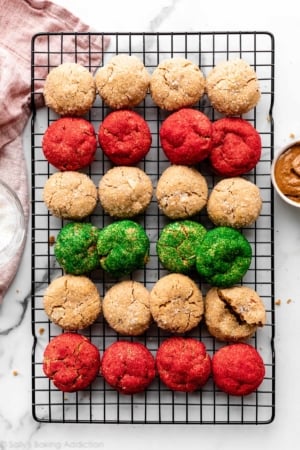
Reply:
x=128, y=367
x=234, y=202
x=124, y=137
x=176, y=303
x=125, y=191
x=233, y=314
x=223, y=256
x=126, y=308
x=236, y=147
x=70, y=143
x=238, y=369
x=123, y=82
x=71, y=361
x=70, y=195
x=177, y=243
x=232, y=87
x=183, y=364
x=72, y=302
x=69, y=89
x=76, y=248
x=181, y=192
x=176, y=83
x=185, y=137
x=123, y=247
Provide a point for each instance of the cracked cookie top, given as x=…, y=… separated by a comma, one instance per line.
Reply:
x=125, y=191
x=126, y=308
x=234, y=202
x=69, y=89
x=70, y=195
x=176, y=303
x=72, y=302
x=176, y=83
x=123, y=82
x=232, y=87
x=181, y=192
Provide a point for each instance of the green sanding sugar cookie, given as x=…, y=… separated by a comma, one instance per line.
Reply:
x=177, y=245
x=123, y=247
x=76, y=248
x=223, y=256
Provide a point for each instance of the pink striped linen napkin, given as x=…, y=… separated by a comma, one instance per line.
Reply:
x=19, y=21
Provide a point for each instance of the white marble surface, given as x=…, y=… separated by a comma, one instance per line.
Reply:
x=17, y=428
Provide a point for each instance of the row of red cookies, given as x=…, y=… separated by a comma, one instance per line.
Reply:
x=73, y=362
x=231, y=86
x=231, y=144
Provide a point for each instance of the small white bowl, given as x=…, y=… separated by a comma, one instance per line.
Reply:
x=12, y=224
x=273, y=177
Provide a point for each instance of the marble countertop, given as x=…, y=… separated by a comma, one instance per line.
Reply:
x=17, y=427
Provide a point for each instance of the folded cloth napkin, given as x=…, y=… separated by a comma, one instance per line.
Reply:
x=19, y=21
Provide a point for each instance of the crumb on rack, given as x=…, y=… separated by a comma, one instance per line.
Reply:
x=42, y=330
x=51, y=240
x=278, y=302
x=15, y=373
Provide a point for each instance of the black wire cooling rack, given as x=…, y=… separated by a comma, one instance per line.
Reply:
x=100, y=403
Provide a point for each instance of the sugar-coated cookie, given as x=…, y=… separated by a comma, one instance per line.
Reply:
x=177, y=243
x=223, y=256
x=69, y=89
x=123, y=246
x=70, y=195
x=72, y=302
x=125, y=192
x=185, y=136
x=236, y=147
x=176, y=303
x=70, y=143
x=176, y=83
x=238, y=369
x=71, y=361
x=234, y=202
x=128, y=367
x=76, y=248
x=123, y=82
x=181, y=192
x=183, y=364
x=233, y=314
x=124, y=137
x=126, y=308
x=232, y=87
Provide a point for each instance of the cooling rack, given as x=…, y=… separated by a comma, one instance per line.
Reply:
x=100, y=403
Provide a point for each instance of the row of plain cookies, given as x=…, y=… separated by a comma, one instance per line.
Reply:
x=231, y=145
x=126, y=192
x=73, y=362
x=175, y=304
x=231, y=86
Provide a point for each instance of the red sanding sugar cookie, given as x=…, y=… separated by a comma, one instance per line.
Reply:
x=128, y=367
x=236, y=147
x=238, y=369
x=124, y=137
x=185, y=136
x=71, y=361
x=70, y=143
x=183, y=364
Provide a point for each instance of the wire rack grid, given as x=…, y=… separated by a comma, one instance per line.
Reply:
x=99, y=403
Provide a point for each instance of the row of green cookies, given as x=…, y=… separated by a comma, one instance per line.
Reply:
x=221, y=255
x=175, y=303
